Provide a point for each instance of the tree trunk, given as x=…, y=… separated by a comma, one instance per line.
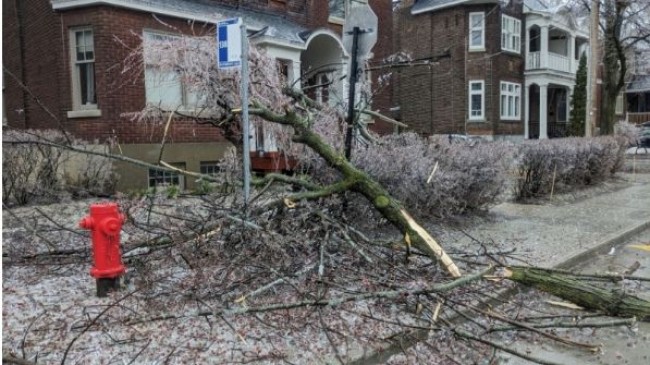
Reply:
x=611, y=302
x=388, y=206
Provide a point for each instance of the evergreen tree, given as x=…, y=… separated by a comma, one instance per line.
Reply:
x=579, y=101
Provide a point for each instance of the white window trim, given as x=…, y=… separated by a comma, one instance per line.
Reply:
x=88, y=113
x=516, y=95
x=469, y=100
x=510, y=36
x=337, y=19
x=472, y=27
x=79, y=110
x=181, y=177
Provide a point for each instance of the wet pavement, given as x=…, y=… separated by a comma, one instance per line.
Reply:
x=552, y=232
x=619, y=345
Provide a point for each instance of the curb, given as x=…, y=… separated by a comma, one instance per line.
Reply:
x=604, y=246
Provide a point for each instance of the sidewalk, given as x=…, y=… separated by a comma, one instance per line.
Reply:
x=560, y=232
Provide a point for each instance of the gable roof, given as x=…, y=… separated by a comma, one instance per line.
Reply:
x=423, y=6
x=639, y=83
x=269, y=25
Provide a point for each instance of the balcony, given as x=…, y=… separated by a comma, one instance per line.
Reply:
x=552, y=61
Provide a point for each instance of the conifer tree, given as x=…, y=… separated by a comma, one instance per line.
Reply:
x=579, y=101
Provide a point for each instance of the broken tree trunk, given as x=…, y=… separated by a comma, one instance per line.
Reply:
x=611, y=302
x=356, y=180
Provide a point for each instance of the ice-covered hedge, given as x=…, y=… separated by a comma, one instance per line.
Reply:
x=566, y=163
x=433, y=176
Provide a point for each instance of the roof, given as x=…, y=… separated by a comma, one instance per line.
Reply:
x=423, y=6
x=272, y=26
x=535, y=4
x=639, y=83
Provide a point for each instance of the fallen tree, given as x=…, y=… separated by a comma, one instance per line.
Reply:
x=616, y=303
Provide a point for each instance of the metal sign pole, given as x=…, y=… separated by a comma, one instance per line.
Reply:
x=244, y=112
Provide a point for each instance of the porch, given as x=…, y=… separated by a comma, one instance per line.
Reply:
x=552, y=48
x=553, y=130
x=547, y=110
x=638, y=100
x=638, y=118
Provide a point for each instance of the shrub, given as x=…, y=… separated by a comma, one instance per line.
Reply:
x=567, y=163
x=629, y=132
x=34, y=172
x=468, y=176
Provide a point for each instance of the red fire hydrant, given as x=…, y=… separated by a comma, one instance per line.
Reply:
x=105, y=221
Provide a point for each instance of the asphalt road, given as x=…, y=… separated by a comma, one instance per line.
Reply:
x=620, y=345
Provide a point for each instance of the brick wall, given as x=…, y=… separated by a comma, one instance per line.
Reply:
x=13, y=98
x=27, y=22
x=433, y=97
x=382, y=100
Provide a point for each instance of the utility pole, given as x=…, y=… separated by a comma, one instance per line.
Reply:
x=351, y=92
x=594, y=61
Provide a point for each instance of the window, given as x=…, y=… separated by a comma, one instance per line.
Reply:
x=476, y=31
x=83, y=69
x=163, y=86
x=337, y=9
x=285, y=68
x=510, y=34
x=318, y=87
x=210, y=167
x=163, y=177
x=619, y=104
x=476, y=100
x=510, y=101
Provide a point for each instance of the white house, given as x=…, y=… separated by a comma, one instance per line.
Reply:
x=555, y=42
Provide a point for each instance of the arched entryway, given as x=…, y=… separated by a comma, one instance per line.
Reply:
x=323, y=67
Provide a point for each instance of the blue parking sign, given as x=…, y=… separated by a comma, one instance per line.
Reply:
x=229, y=43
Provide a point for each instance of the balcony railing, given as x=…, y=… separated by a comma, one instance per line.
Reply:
x=533, y=61
x=638, y=118
x=554, y=62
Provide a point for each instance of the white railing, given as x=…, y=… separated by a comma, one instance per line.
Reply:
x=558, y=62
x=533, y=61
x=554, y=61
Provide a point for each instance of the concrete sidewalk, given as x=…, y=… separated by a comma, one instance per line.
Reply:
x=563, y=231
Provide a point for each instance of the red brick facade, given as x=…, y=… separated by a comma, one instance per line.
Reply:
x=433, y=96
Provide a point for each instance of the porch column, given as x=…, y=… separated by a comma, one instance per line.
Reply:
x=527, y=54
x=543, y=54
x=569, y=98
x=294, y=75
x=572, y=53
x=526, y=111
x=543, y=111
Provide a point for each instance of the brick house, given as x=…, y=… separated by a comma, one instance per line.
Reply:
x=69, y=54
x=479, y=67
